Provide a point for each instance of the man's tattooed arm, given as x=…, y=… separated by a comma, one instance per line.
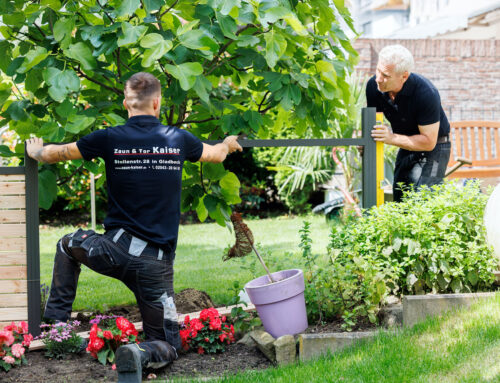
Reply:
x=51, y=153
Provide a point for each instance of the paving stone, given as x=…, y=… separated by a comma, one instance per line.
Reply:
x=247, y=340
x=417, y=308
x=314, y=345
x=285, y=350
x=391, y=316
x=265, y=343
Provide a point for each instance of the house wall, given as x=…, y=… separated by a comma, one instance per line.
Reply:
x=466, y=72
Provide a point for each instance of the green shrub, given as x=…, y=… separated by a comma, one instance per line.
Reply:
x=351, y=289
x=432, y=242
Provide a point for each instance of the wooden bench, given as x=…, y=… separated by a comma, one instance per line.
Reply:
x=478, y=141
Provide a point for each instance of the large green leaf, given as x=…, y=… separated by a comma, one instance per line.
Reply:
x=131, y=34
x=126, y=7
x=83, y=54
x=61, y=82
x=78, y=122
x=227, y=25
x=16, y=110
x=202, y=87
x=47, y=190
x=186, y=73
x=214, y=172
x=230, y=188
x=275, y=47
x=63, y=29
x=193, y=39
x=157, y=45
x=5, y=57
x=153, y=5
x=33, y=58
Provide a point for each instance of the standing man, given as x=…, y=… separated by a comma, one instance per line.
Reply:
x=144, y=162
x=419, y=126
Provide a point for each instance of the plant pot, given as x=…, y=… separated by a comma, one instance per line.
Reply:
x=281, y=305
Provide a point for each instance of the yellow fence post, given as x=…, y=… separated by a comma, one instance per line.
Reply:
x=380, y=163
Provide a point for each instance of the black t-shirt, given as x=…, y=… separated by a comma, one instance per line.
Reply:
x=417, y=103
x=144, y=162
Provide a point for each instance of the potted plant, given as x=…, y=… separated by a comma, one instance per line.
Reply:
x=279, y=296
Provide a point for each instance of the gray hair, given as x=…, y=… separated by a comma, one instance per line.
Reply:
x=397, y=55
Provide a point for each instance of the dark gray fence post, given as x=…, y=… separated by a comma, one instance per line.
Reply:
x=369, y=159
x=32, y=244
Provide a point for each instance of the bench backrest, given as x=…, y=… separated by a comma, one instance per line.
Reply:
x=478, y=141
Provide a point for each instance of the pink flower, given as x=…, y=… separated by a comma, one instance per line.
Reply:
x=9, y=359
x=27, y=338
x=123, y=324
x=24, y=327
x=6, y=337
x=215, y=324
x=17, y=350
x=113, y=366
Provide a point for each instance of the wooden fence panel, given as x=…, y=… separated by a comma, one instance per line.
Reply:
x=13, y=248
x=13, y=216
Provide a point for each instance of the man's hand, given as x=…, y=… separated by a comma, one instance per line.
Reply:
x=34, y=148
x=218, y=153
x=383, y=133
x=52, y=153
x=232, y=144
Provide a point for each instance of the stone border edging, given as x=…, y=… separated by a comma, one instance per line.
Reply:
x=314, y=345
x=417, y=308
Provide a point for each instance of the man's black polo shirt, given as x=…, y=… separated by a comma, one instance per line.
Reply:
x=144, y=161
x=418, y=103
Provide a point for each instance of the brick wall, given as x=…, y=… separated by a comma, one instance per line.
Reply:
x=466, y=72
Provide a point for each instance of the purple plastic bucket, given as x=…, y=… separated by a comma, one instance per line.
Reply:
x=281, y=305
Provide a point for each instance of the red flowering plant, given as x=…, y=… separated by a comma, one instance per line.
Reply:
x=107, y=334
x=207, y=334
x=14, y=341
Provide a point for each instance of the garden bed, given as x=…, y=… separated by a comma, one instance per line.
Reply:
x=83, y=368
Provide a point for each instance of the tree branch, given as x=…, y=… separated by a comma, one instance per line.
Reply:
x=182, y=111
x=265, y=110
x=168, y=9
x=112, y=89
x=263, y=99
x=106, y=13
x=223, y=48
x=241, y=69
x=171, y=114
x=195, y=121
x=118, y=68
x=67, y=178
x=40, y=29
x=201, y=178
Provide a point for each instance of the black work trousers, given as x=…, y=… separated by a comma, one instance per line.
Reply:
x=142, y=267
x=414, y=169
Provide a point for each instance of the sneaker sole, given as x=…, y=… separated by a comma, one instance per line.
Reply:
x=128, y=360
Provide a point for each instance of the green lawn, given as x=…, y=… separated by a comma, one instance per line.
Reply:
x=460, y=347
x=198, y=261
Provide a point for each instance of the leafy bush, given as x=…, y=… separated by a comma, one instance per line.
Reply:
x=433, y=241
x=348, y=288
x=60, y=339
